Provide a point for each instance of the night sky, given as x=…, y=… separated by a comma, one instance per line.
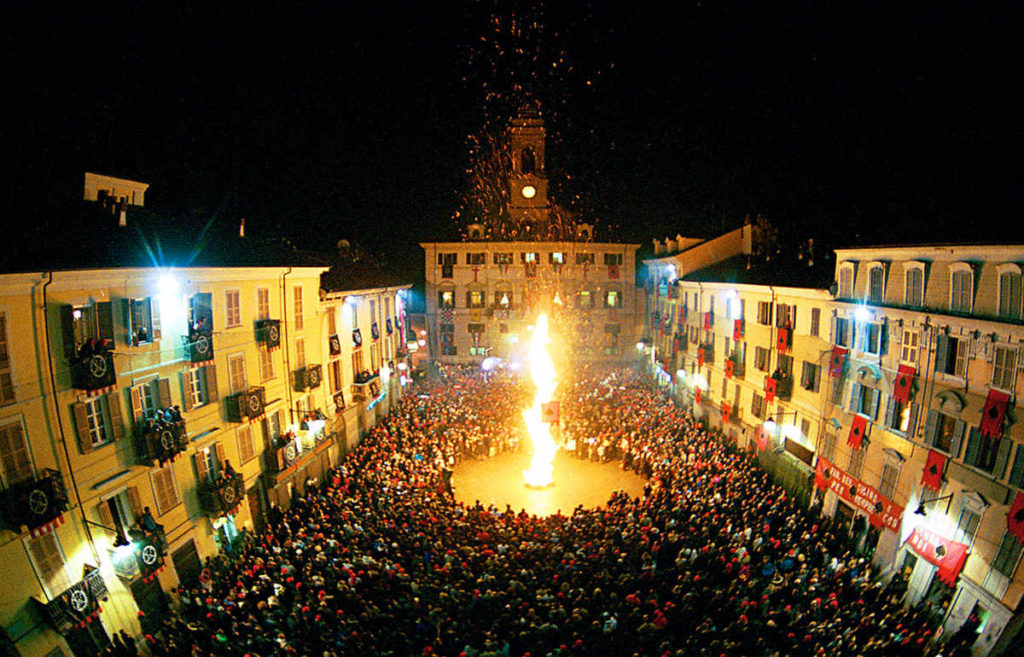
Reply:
x=861, y=125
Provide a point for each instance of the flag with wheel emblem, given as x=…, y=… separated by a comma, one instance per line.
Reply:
x=932, y=476
x=549, y=412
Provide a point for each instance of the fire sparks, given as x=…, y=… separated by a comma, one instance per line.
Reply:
x=542, y=371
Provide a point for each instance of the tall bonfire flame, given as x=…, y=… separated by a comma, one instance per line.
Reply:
x=542, y=371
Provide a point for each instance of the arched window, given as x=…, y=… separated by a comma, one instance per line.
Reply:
x=527, y=161
x=1009, y=291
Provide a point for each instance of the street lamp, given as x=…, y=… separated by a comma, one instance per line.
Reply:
x=120, y=540
x=920, y=507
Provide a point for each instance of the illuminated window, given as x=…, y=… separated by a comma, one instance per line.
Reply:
x=15, y=461
x=612, y=299
x=446, y=299
x=165, y=488
x=143, y=316
x=531, y=257
x=900, y=416
x=198, y=385
x=299, y=315
x=6, y=385
x=913, y=291
x=585, y=299
x=263, y=303
x=764, y=313
x=476, y=299
x=48, y=560
x=556, y=258
x=246, y=447
x=872, y=338
x=909, y=346
x=232, y=309
x=961, y=287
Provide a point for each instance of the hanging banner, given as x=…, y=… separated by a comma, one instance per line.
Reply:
x=762, y=439
x=1015, y=519
x=882, y=512
x=932, y=476
x=725, y=413
x=857, y=429
x=769, y=389
x=782, y=340
x=993, y=413
x=838, y=361
x=904, y=379
x=730, y=367
x=947, y=554
x=737, y=329
x=697, y=395
x=700, y=357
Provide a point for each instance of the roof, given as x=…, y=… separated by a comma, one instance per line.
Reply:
x=779, y=271
x=87, y=236
x=350, y=276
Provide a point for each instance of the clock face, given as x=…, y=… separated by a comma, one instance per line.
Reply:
x=529, y=191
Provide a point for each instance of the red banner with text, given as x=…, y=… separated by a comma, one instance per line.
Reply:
x=947, y=554
x=882, y=512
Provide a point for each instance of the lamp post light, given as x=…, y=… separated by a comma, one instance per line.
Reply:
x=920, y=506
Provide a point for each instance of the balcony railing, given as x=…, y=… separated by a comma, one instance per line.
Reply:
x=245, y=406
x=308, y=378
x=198, y=346
x=268, y=332
x=79, y=604
x=366, y=386
x=93, y=372
x=783, y=385
x=222, y=496
x=34, y=502
x=161, y=441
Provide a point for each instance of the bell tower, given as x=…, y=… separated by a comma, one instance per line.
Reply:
x=528, y=182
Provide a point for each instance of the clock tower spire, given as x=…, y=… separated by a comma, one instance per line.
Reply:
x=528, y=182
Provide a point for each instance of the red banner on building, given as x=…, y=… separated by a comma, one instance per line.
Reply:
x=697, y=395
x=707, y=321
x=682, y=315
x=838, y=361
x=737, y=329
x=1015, y=519
x=613, y=271
x=782, y=340
x=725, y=413
x=857, y=429
x=882, y=512
x=947, y=554
x=762, y=439
x=700, y=357
x=769, y=389
x=993, y=413
x=932, y=475
x=904, y=379
x=730, y=367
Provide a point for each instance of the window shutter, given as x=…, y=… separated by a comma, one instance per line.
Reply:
x=469, y=297
x=897, y=341
x=832, y=329
x=973, y=443
x=1017, y=473
x=137, y=408
x=154, y=318
x=855, y=397
x=82, y=427
x=941, y=353
x=126, y=307
x=106, y=518
x=105, y=321
x=67, y=327
x=163, y=393
x=116, y=417
x=912, y=419
x=133, y=500
x=883, y=339
x=221, y=460
x=199, y=458
x=210, y=372
x=958, y=437
x=930, y=426
x=1002, y=457
x=876, y=400
x=186, y=391
x=890, y=409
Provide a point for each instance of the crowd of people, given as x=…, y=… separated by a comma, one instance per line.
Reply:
x=379, y=559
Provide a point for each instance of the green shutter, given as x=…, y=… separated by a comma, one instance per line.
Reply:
x=958, y=437
x=973, y=444
x=855, y=397
x=890, y=409
x=1017, y=473
x=931, y=426
x=67, y=327
x=1002, y=457
x=942, y=353
x=883, y=339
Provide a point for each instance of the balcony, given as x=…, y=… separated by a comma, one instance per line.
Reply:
x=198, y=346
x=366, y=386
x=79, y=604
x=268, y=332
x=334, y=344
x=34, y=502
x=93, y=372
x=245, y=406
x=783, y=385
x=738, y=365
x=293, y=449
x=161, y=441
x=709, y=353
x=308, y=378
x=222, y=497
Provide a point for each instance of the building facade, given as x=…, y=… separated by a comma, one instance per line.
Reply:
x=891, y=394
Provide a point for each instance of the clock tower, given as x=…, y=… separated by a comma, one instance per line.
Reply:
x=528, y=183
